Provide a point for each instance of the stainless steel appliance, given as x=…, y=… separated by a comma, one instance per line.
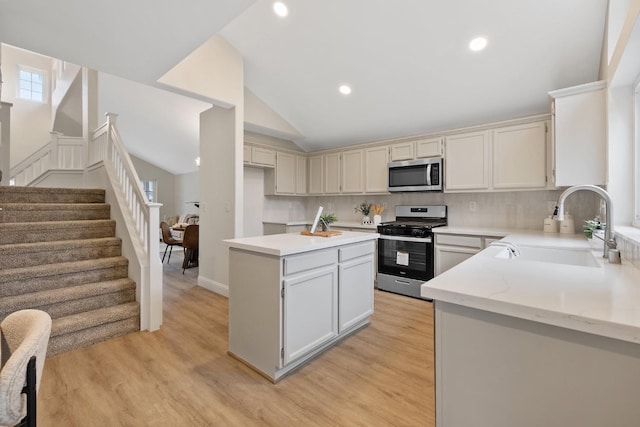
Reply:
x=416, y=175
x=405, y=248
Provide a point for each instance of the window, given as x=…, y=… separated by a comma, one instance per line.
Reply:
x=32, y=84
x=150, y=190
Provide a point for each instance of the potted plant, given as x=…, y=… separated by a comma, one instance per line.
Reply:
x=590, y=225
x=326, y=220
x=365, y=208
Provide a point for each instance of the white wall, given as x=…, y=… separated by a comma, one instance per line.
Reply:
x=30, y=121
x=187, y=189
x=165, y=185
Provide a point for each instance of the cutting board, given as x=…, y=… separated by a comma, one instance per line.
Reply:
x=322, y=233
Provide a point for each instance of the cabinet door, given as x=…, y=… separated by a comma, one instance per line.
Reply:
x=519, y=156
x=316, y=173
x=301, y=175
x=579, y=116
x=467, y=166
x=402, y=151
x=332, y=173
x=310, y=311
x=376, y=171
x=264, y=157
x=352, y=166
x=356, y=292
x=429, y=147
x=285, y=173
x=447, y=257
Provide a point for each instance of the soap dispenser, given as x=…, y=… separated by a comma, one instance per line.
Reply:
x=550, y=225
x=567, y=226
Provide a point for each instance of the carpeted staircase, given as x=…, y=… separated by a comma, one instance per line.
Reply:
x=58, y=253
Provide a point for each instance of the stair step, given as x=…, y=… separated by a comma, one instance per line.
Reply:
x=16, y=281
x=93, y=335
x=39, y=212
x=90, y=319
x=72, y=300
x=48, y=231
x=15, y=256
x=12, y=194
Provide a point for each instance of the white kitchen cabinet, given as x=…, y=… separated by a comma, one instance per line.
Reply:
x=301, y=175
x=467, y=161
x=579, y=134
x=332, y=173
x=376, y=173
x=285, y=173
x=452, y=249
x=263, y=157
x=284, y=310
x=352, y=171
x=431, y=147
x=316, y=174
x=402, y=151
x=519, y=156
x=310, y=317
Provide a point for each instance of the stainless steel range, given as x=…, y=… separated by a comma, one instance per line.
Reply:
x=405, y=248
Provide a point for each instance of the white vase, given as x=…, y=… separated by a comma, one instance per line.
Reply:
x=377, y=219
x=366, y=220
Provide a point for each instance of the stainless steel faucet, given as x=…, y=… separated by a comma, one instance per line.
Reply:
x=609, y=234
x=513, y=249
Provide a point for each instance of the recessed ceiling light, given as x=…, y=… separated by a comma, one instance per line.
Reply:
x=478, y=44
x=280, y=9
x=345, y=89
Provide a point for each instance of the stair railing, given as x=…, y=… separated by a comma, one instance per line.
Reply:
x=142, y=220
x=61, y=154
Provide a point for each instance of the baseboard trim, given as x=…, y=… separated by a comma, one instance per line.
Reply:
x=213, y=286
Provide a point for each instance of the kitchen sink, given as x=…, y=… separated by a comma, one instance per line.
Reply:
x=584, y=258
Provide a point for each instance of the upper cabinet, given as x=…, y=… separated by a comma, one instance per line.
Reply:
x=316, y=174
x=288, y=177
x=431, y=147
x=402, y=151
x=519, y=156
x=467, y=161
x=376, y=173
x=352, y=171
x=332, y=173
x=579, y=134
x=260, y=157
x=502, y=158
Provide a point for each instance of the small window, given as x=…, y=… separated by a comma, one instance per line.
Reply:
x=32, y=84
x=150, y=190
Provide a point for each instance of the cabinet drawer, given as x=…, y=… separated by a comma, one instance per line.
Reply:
x=468, y=241
x=356, y=251
x=307, y=261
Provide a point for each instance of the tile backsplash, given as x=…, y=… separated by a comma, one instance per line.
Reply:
x=516, y=209
x=628, y=239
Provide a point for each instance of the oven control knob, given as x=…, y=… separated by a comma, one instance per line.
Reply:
x=387, y=231
x=417, y=233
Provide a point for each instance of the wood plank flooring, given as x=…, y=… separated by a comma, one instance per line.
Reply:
x=181, y=375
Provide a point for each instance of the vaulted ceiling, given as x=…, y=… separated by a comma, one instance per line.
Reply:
x=407, y=61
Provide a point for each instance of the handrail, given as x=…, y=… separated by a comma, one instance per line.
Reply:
x=142, y=218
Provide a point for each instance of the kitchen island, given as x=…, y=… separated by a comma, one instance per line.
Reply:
x=549, y=337
x=293, y=296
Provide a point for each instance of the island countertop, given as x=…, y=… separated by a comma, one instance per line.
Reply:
x=603, y=299
x=294, y=243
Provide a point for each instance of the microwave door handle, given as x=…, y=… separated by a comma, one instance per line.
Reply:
x=429, y=174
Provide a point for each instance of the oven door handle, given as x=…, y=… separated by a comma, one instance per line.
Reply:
x=406, y=239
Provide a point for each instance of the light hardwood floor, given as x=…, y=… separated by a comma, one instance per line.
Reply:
x=181, y=375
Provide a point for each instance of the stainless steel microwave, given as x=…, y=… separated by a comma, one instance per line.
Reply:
x=416, y=175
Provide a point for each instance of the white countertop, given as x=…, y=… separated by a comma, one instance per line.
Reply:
x=602, y=300
x=294, y=243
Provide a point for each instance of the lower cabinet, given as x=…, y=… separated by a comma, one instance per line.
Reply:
x=452, y=249
x=285, y=310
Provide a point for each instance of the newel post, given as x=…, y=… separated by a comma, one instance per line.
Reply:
x=53, y=159
x=155, y=268
x=111, y=123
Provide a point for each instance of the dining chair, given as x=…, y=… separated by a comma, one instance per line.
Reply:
x=23, y=349
x=168, y=240
x=190, y=243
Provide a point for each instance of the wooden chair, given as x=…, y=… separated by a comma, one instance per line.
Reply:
x=25, y=336
x=190, y=243
x=168, y=240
